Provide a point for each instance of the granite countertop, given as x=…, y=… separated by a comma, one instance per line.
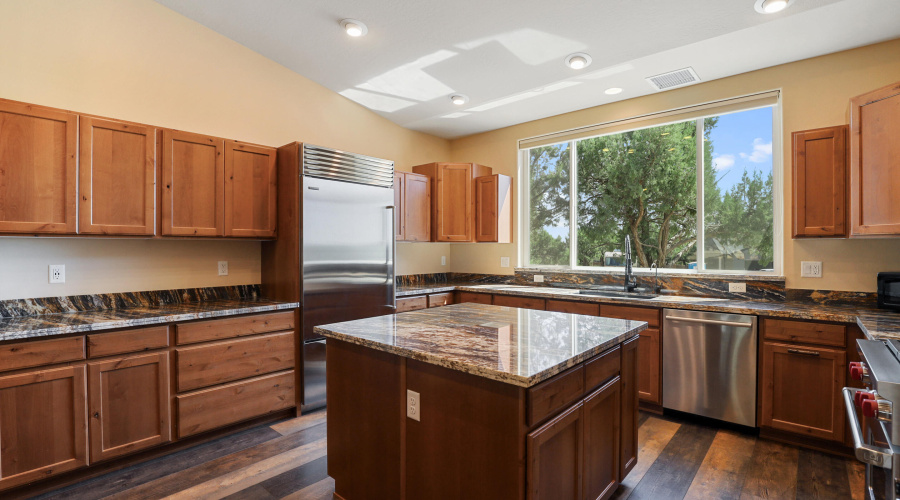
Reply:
x=26, y=327
x=522, y=347
x=875, y=323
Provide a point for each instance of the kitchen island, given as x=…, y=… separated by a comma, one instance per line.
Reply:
x=479, y=401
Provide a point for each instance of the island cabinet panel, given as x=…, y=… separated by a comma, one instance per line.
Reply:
x=522, y=302
x=239, y=326
x=117, y=172
x=568, y=306
x=602, y=368
x=192, y=200
x=820, y=182
x=250, y=185
x=220, y=362
x=549, y=397
x=43, y=424
x=129, y=404
x=556, y=457
x=478, y=298
x=37, y=169
x=41, y=352
x=629, y=442
x=602, y=428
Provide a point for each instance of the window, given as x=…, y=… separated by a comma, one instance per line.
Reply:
x=667, y=187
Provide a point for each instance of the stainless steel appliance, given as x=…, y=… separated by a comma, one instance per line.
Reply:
x=889, y=291
x=348, y=249
x=876, y=434
x=709, y=365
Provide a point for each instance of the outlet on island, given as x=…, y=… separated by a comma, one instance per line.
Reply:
x=413, y=405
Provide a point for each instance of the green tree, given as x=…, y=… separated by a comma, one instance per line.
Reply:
x=549, y=200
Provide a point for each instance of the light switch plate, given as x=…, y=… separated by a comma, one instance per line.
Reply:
x=504, y=261
x=810, y=269
x=737, y=287
x=57, y=273
x=413, y=405
x=223, y=268
x=538, y=278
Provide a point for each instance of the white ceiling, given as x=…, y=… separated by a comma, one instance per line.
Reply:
x=507, y=56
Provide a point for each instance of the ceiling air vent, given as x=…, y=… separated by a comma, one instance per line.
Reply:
x=672, y=79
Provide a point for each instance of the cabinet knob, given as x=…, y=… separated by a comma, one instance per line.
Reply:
x=96, y=414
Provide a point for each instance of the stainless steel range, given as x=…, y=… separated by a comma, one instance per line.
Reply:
x=876, y=434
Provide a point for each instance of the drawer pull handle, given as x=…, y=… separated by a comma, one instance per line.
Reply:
x=803, y=352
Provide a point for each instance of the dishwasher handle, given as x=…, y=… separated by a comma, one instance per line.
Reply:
x=710, y=321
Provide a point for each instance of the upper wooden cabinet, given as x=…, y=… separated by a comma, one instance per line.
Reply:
x=37, y=169
x=250, y=184
x=875, y=163
x=193, y=185
x=493, y=209
x=820, y=179
x=452, y=199
x=412, y=207
x=116, y=177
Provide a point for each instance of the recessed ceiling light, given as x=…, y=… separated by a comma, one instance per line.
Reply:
x=613, y=91
x=459, y=99
x=771, y=6
x=354, y=28
x=578, y=60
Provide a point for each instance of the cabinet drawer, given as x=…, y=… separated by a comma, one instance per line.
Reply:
x=549, y=397
x=523, y=302
x=218, y=329
x=805, y=331
x=568, y=306
x=599, y=369
x=211, y=364
x=42, y=352
x=478, y=298
x=440, y=299
x=211, y=408
x=651, y=316
x=144, y=339
x=411, y=304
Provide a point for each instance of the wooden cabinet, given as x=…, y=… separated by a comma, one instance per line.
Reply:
x=820, y=182
x=411, y=303
x=250, y=184
x=628, y=447
x=129, y=404
x=452, y=199
x=521, y=302
x=43, y=424
x=602, y=427
x=116, y=192
x=493, y=209
x=875, y=162
x=800, y=389
x=192, y=195
x=412, y=207
x=220, y=362
x=478, y=298
x=556, y=457
x=37, y=169
x=649, y=347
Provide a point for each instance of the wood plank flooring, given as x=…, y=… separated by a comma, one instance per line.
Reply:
x=677, y=459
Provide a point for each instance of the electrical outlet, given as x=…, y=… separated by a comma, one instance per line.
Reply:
x=538, y=278
x=223, y=268
x=504, y=261
x=413, y=405
x=810, y=269
x=443, y=260
x=737, y=287
x=57, y=273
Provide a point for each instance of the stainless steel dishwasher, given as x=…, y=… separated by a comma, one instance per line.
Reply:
x=709, y=365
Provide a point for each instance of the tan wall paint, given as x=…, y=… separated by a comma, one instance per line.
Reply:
x=140, y=61
x=816, y=93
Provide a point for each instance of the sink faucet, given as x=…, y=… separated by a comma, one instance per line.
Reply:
x=630, y=282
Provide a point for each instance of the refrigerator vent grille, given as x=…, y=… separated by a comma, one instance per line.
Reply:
x=326, y=163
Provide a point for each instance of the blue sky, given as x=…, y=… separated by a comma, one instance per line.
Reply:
x=742, y=141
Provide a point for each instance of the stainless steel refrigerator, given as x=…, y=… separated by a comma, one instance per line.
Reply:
x=346, y=244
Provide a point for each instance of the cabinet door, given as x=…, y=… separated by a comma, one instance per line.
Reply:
x=602, y=422
x=250, y=190
x=193, y=185
x=521, y=302
x=820, y=190
x=399, y=206
x=43, y=424
x=129, y=404
x=555, y=457
x=629, y=443
x=493, y=209
x=37, y=169
x=649, y=381
x=800, y=389
x=478, y=298
x=875, y=162
x=116, y=177
x=453, y=202
x=417, y=208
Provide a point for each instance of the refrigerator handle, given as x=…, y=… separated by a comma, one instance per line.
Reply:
x=391, y=257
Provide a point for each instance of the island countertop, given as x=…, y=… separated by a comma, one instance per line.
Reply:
x=521, y=347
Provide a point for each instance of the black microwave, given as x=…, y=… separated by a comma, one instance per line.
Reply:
x=889, y=291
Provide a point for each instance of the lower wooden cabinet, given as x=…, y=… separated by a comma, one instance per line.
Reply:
x=800, y=389
x=522, y=302
x=478, y=298
x=556, y=457
x=649, y=378
x=629, y=421
x=129, y=404
x=406, y=304
x=43, y=424
x=602, y=424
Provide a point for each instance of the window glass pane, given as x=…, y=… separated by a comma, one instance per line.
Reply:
x=642, y=183
x=549, y=202
x=739, y=206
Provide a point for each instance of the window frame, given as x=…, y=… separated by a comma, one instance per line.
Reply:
x=524, y=250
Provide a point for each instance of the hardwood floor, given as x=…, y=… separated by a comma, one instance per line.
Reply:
x=677, y=459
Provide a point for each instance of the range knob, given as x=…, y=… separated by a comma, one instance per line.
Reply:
x=857, y=370
x=861, y=396
x=875, y=408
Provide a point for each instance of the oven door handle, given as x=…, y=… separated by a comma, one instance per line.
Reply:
x=872, y=455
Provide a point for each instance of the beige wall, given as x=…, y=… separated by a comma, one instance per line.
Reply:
x=815, y=94
x=137, y=60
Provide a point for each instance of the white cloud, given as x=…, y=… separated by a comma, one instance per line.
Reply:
x=722, y=162
x=761, y=151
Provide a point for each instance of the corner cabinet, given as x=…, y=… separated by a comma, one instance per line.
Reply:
x=250, y=185
x=412, y=207
x=493, y=209
x=452, y=199
x=820, y=182
x=192, y=195
x=875, y=163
